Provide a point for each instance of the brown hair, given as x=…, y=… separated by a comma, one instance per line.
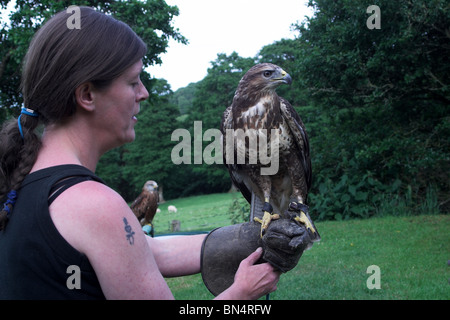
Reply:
x=59, y=60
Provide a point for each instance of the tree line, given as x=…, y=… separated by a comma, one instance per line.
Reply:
x=375, y=103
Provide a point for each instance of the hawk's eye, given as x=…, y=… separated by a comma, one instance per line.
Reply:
x=267, y=73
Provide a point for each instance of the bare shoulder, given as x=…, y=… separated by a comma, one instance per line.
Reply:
x=90, y=209
x=90, y=201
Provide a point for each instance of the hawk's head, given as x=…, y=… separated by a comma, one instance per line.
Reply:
x=150, y=186
x=262, y=79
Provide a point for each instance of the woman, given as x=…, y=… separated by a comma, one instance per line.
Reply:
x=84, y=86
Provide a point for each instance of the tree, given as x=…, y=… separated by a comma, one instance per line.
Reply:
x=382, y=96
x=184, y=97
x=343, y=57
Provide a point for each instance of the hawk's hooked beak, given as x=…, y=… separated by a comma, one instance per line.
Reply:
x=285, y=77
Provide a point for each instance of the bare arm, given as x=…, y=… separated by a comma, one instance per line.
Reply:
x=178, y=255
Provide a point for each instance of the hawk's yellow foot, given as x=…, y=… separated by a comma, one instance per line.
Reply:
x=265, y=221
x=303, y=219
x=267, y=217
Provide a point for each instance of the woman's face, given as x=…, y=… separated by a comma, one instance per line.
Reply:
x=118, y=105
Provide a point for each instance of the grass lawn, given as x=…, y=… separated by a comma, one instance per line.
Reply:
x=412, y=253
x=199, y=213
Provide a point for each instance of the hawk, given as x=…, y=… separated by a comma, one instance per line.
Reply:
x=146, y=204
x=261, y=114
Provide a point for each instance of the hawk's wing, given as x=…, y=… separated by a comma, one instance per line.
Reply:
x=298, y=130
x=237, y=174
x=233, y=168
x=152, y=205
x=136, y=206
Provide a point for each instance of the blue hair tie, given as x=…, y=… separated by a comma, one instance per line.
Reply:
x=28, y=112
x=11, y=199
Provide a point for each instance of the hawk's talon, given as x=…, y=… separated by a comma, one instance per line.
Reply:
x=265, y=221
x=303, y=219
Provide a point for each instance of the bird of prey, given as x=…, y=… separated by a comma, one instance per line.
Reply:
x=258, y=111
x=146, y=204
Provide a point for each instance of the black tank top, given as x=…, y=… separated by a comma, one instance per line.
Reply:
x=36, y=262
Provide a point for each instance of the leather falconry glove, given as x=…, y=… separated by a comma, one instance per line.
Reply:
x=224, y=249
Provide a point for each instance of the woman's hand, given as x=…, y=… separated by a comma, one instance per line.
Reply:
x=252, y=281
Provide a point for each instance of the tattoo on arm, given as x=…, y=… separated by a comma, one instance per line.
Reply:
x=129, y=231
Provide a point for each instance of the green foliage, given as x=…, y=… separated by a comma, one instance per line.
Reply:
x=380, y=101
x=184, y=97
x=350, y=197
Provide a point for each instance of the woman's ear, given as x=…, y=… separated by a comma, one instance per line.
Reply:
x=85, y=96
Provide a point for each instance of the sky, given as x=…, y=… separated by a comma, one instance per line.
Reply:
x=224, y=26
